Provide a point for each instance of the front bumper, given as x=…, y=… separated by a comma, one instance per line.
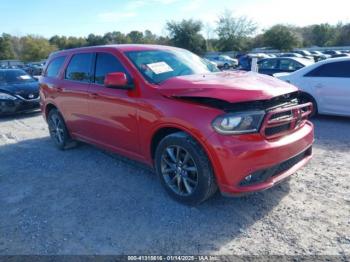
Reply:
x=18, y=105
x=236, y=157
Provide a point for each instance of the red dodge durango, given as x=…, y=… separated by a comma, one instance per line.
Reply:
x=201, y=129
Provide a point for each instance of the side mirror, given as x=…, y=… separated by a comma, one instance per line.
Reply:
x=117, y=80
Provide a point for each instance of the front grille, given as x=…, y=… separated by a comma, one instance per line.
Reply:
x=280, y=120
x=263, y=175
x=284, y=166
x=277, y=129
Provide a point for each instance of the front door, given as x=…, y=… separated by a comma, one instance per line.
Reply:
x=113, y=112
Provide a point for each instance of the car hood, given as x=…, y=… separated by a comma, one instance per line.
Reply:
x=232, y=87
x=22, y=89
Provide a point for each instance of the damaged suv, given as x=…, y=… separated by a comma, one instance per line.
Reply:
x=201, y=129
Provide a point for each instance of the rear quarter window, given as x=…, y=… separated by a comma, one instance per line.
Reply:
x=334, y=69
x=55, y=66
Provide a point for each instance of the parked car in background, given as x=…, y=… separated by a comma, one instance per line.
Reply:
x=291, y=55
x=306, y=54
x=211, y=65
x=270, y=66
x=34, y=69
x=165, y=107
x=272, y=55
x=326, y=84
x=318, y=55
x=332, y=53
x=341, y=55
x=297, y=55
x=223, y=61
x=19, y=92
x=245, y=61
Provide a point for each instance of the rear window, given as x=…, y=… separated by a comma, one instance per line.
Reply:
x=54, y=67
x=79, y=68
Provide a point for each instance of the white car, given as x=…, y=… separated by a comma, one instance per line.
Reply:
x=326, y=84
x=224, y=61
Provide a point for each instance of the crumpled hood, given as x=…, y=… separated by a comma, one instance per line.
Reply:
x=233, y=87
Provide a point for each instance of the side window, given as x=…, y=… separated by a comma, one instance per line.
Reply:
x=54, y=67
x=268, y=64
x=335, y=69
x=105, y=64
x=290, y=65
x=79, y=68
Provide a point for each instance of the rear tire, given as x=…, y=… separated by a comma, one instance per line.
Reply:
x=184, y=169
x=58, y=130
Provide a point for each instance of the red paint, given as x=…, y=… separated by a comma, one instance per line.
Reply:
x=125, y=121
x=238, y=86
x=117, y=79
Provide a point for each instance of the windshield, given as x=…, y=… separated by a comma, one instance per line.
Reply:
x=14, y=77
x=159, y=65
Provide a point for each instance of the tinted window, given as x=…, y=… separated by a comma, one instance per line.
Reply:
x=336, y=69
x=105, y=64
x=268, y=64
x=54, y=67
x=79, y=68
x=289, y=65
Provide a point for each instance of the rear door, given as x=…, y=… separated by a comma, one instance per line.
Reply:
x=73, y=97
x=113, y=111
x=331, y=85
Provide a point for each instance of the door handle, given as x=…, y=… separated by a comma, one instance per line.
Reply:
x=59, y=89
x=319, y=85
x=93, y=95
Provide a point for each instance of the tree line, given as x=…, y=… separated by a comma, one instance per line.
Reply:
x=231, y=34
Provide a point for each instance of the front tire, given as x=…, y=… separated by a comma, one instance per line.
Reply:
x=184, y=169
x=58, y=130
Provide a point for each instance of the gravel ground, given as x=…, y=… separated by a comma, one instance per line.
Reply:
x=87, y=201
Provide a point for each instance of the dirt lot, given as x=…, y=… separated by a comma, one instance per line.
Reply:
x=87, y=201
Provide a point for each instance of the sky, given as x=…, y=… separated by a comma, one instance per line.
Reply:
x=81, y=17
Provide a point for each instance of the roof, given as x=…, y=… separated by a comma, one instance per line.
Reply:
x=302, y=60
x=337, y=59
x=121, y=47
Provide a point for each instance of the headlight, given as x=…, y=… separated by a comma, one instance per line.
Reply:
x=5, y=96
x=239, y=123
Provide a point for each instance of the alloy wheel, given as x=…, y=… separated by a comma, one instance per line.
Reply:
x=56, y=128
x=179, y=170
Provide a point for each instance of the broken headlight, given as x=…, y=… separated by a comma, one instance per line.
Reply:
x=239, y=123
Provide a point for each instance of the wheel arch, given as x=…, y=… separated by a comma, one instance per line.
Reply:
x=164, y=131
x=159, y=134
x=48, y=108
x=311, y=97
